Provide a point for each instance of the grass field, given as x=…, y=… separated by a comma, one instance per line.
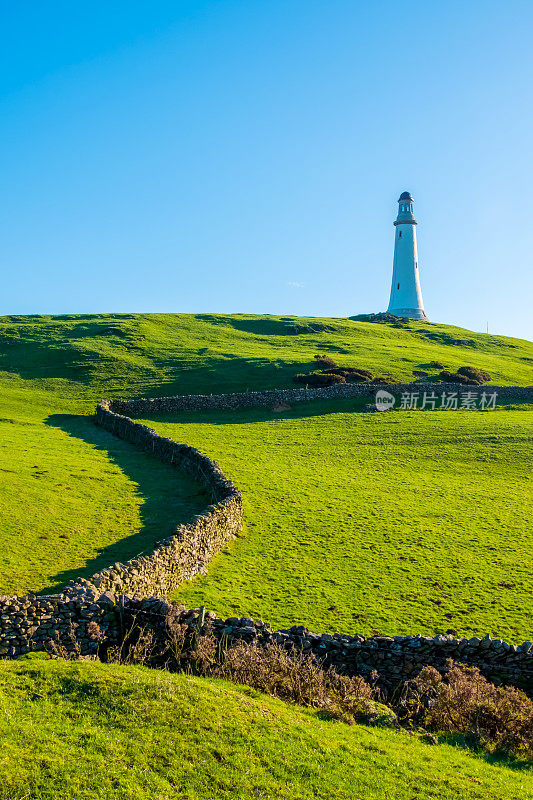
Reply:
x=73, y=498
x=392, y=522
x=148, y=734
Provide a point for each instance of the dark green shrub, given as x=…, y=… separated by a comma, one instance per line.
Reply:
x=364, y=372
x=474, y=373
x=351, y=374
x=336, y=371
x=463, y=701
x=383, y=317
x=324, y=361
x=356, y=376
x=446, y=375
x=319, y=379
x=436, y=365
x=455, y=377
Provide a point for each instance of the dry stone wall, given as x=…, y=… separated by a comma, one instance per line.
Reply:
x=395, y=658
x=85, y=621
x=191, y=548
x=93, y=613
x=28, y=623
x=273, y=397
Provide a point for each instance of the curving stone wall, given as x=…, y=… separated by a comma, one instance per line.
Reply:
x=28, y=623
x=70, y=620
x=103, y=606
x=188, y=552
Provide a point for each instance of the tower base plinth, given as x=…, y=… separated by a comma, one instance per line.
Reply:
x=410, y=313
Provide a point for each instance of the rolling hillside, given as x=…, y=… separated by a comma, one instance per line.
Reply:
x=73, y=498
x=395, y=522
x=164, y=354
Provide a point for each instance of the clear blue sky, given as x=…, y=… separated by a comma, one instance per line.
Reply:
x=247, y=156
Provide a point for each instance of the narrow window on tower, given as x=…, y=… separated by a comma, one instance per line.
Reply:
x=400, y=236
x=398, y=286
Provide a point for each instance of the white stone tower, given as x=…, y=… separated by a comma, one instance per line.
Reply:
x=406, y=294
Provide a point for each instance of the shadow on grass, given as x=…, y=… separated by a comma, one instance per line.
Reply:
x=82, y=348
x=49, y=350
x=170, y=497
x=273, y=326
x=461, y=741
x=247, y=416
x=221, y=374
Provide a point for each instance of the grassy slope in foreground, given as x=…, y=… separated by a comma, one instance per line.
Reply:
x=147, y=735
x=73, y=499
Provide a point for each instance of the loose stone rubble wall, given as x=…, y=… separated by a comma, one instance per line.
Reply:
x=99, y=610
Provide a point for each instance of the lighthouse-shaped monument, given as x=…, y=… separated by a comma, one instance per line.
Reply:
x=406, y=294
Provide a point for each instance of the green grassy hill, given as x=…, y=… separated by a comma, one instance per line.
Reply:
x=396, y=522
x=179, y=353
x=73, y=498
x=149, y=735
